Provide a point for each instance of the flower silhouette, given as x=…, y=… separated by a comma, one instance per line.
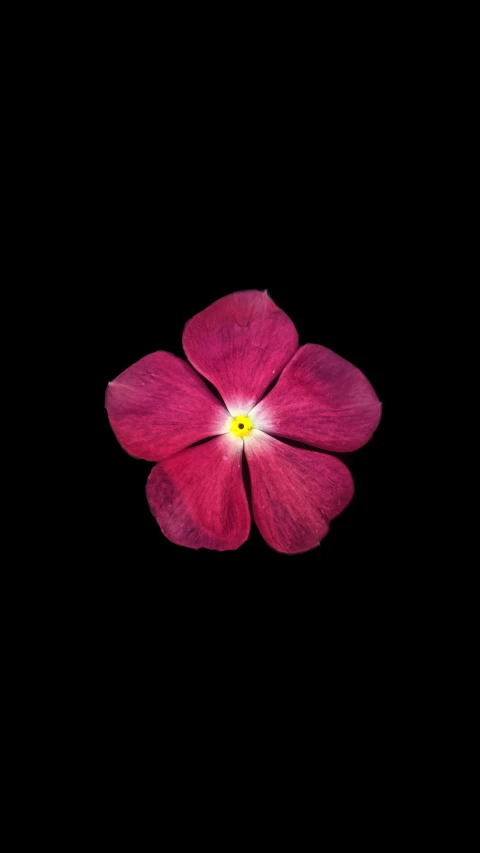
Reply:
x=161, y=410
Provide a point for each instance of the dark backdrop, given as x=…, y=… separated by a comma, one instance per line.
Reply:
x=184, y=193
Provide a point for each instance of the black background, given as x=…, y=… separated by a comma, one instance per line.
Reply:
x=180, y=199
x=186, y=187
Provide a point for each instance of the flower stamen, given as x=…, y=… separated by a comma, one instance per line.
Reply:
x=240, y=426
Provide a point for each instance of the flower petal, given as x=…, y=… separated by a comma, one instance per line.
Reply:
x=159, y=406
x=294, y=492
x=198, y=496
x=240, y=343
x=320, y=399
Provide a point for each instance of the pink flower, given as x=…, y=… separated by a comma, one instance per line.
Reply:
x=160, y=408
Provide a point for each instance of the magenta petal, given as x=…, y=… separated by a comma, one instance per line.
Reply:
x=294, y=492
x=159, y=406
x=320, y=399
x=198, y=496
x=240, y=343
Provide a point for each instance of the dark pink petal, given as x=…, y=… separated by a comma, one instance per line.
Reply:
x=198, y=496
x=294, y=492
x=159, y=406
x=240, y=343
x=322, y=400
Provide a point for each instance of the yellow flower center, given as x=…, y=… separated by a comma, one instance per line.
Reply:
x=241, y=425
